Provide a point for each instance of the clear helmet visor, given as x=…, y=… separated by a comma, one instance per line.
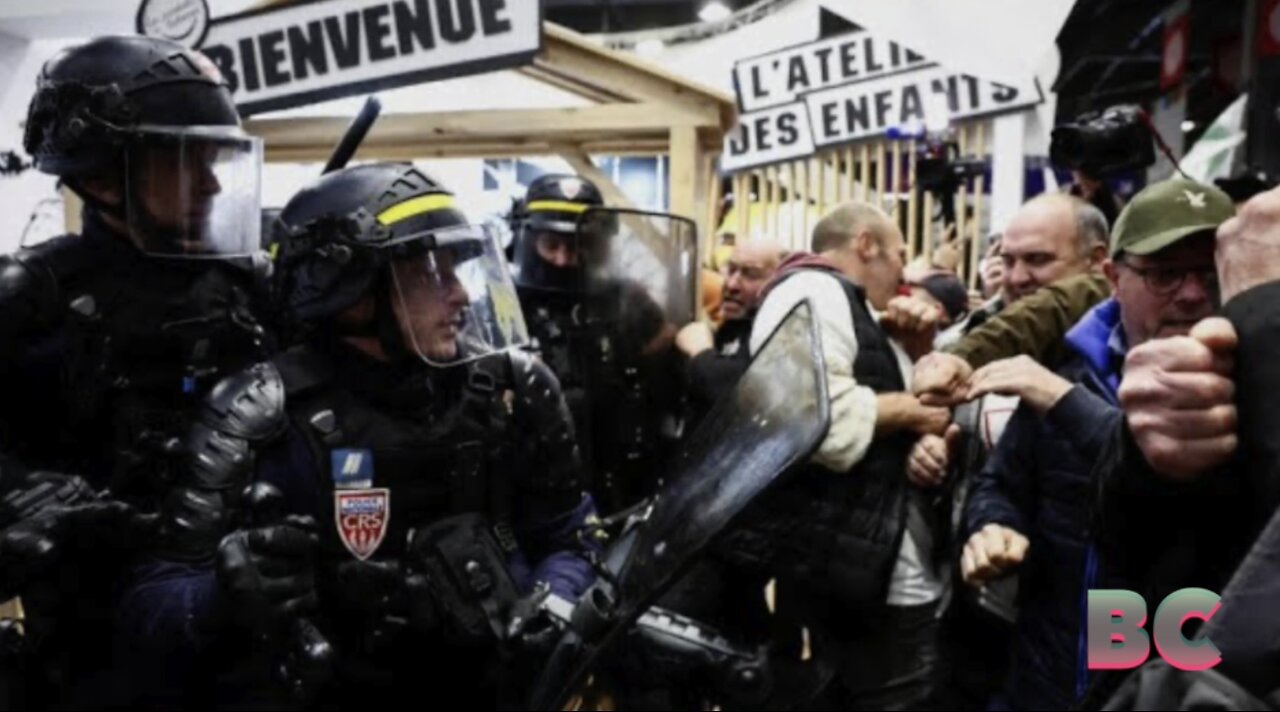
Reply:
x=550, y=255
x=194, y=191
x=454, y=301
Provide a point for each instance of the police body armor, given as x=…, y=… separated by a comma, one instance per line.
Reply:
x=131, y=373
x=624, y=403
x=435, y=455
x=142, y=342
x=837, y=535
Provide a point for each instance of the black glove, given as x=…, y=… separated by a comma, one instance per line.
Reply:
x=270, y=571
x=531, y=627
x=52, y=519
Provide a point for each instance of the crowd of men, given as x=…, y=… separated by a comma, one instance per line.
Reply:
x=357, y=472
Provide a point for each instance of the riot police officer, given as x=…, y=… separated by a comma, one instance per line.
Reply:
x=110, y=340
x=604, y=292
x=441, y=464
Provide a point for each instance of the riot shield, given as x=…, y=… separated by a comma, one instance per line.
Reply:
x=773, y=420
x=639, y=288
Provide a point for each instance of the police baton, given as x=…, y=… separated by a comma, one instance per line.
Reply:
x=354, y=135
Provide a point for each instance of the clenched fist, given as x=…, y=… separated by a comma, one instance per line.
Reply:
x=930, y=458
x=991, y=552
x=1247, y=250
x=1179, y=399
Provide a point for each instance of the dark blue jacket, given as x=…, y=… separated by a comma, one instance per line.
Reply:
x=172, y=620
x=1037, y=481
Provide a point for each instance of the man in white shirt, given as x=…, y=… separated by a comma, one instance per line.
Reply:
x=846, y=536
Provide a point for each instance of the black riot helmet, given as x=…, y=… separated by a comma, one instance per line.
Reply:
x=549, y=250
x=152, y=126
x=441, y=288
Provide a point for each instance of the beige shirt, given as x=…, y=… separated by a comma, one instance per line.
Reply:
x=853, y=407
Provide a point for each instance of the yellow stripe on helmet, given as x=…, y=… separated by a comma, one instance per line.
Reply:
x=415, y=206
x=557, y=206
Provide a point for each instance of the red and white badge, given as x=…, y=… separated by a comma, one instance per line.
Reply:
x=362, y=517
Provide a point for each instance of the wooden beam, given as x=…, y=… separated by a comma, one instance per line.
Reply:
x=568, y=84
x=459, y=149
x=520, y=125
x=573, y=58
x=683, y=180
x=581, y=162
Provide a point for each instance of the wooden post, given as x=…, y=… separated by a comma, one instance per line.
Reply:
x=850, y=178
x=880, y=174
x=962, y=195
x=926, y=232
x=792, y=196
x=913, y=204
x=975, y=247
x=897, y=177
x=864, y=172
x=821, y=207
x=683, y=180
x=742, y=204
x=771, y=210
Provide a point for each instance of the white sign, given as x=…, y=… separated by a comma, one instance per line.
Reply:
x=768, y=136
x=865, y=109
x=782, y=77
x=288, y=56
x=856, y=86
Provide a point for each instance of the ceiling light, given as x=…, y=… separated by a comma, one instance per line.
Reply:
x=714, y=11
x=1188, y=126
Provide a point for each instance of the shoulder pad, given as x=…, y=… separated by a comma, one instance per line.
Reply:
x=36, y=274
x=248, y=404
x=302, y=369
x=531, y=374
x=495, y=372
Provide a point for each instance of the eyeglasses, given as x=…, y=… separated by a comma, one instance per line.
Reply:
x=1163, y=281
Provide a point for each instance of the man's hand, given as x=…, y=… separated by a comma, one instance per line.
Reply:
x=695, y=338
x=992, y=271
x=910, y=315
x=63, y=534
x=270, y=571
x=1248, y=246
x=990, y=553
x=898, y=412
x=930, y=458
x=1020, y=376
x=1179, y=399
x=914, y=323
x=941, y=379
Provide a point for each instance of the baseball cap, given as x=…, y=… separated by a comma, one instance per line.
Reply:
x=1167, y=212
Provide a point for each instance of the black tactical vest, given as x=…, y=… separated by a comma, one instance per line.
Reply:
x=838, y=534
x=625, y=404
x=110, y=354
x=448, y=454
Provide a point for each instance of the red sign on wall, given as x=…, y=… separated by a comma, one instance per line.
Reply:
x=1173, y=62
x=1269, y=28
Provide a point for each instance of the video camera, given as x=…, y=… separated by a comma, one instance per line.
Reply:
x=1103, y=143
x=941, y=171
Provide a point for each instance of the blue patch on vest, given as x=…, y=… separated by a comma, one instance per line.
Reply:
x=351, y=468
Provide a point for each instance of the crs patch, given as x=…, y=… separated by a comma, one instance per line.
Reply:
x=351, y=468
x=362, y=517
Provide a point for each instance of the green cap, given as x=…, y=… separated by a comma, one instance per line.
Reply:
x=1166, y=212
